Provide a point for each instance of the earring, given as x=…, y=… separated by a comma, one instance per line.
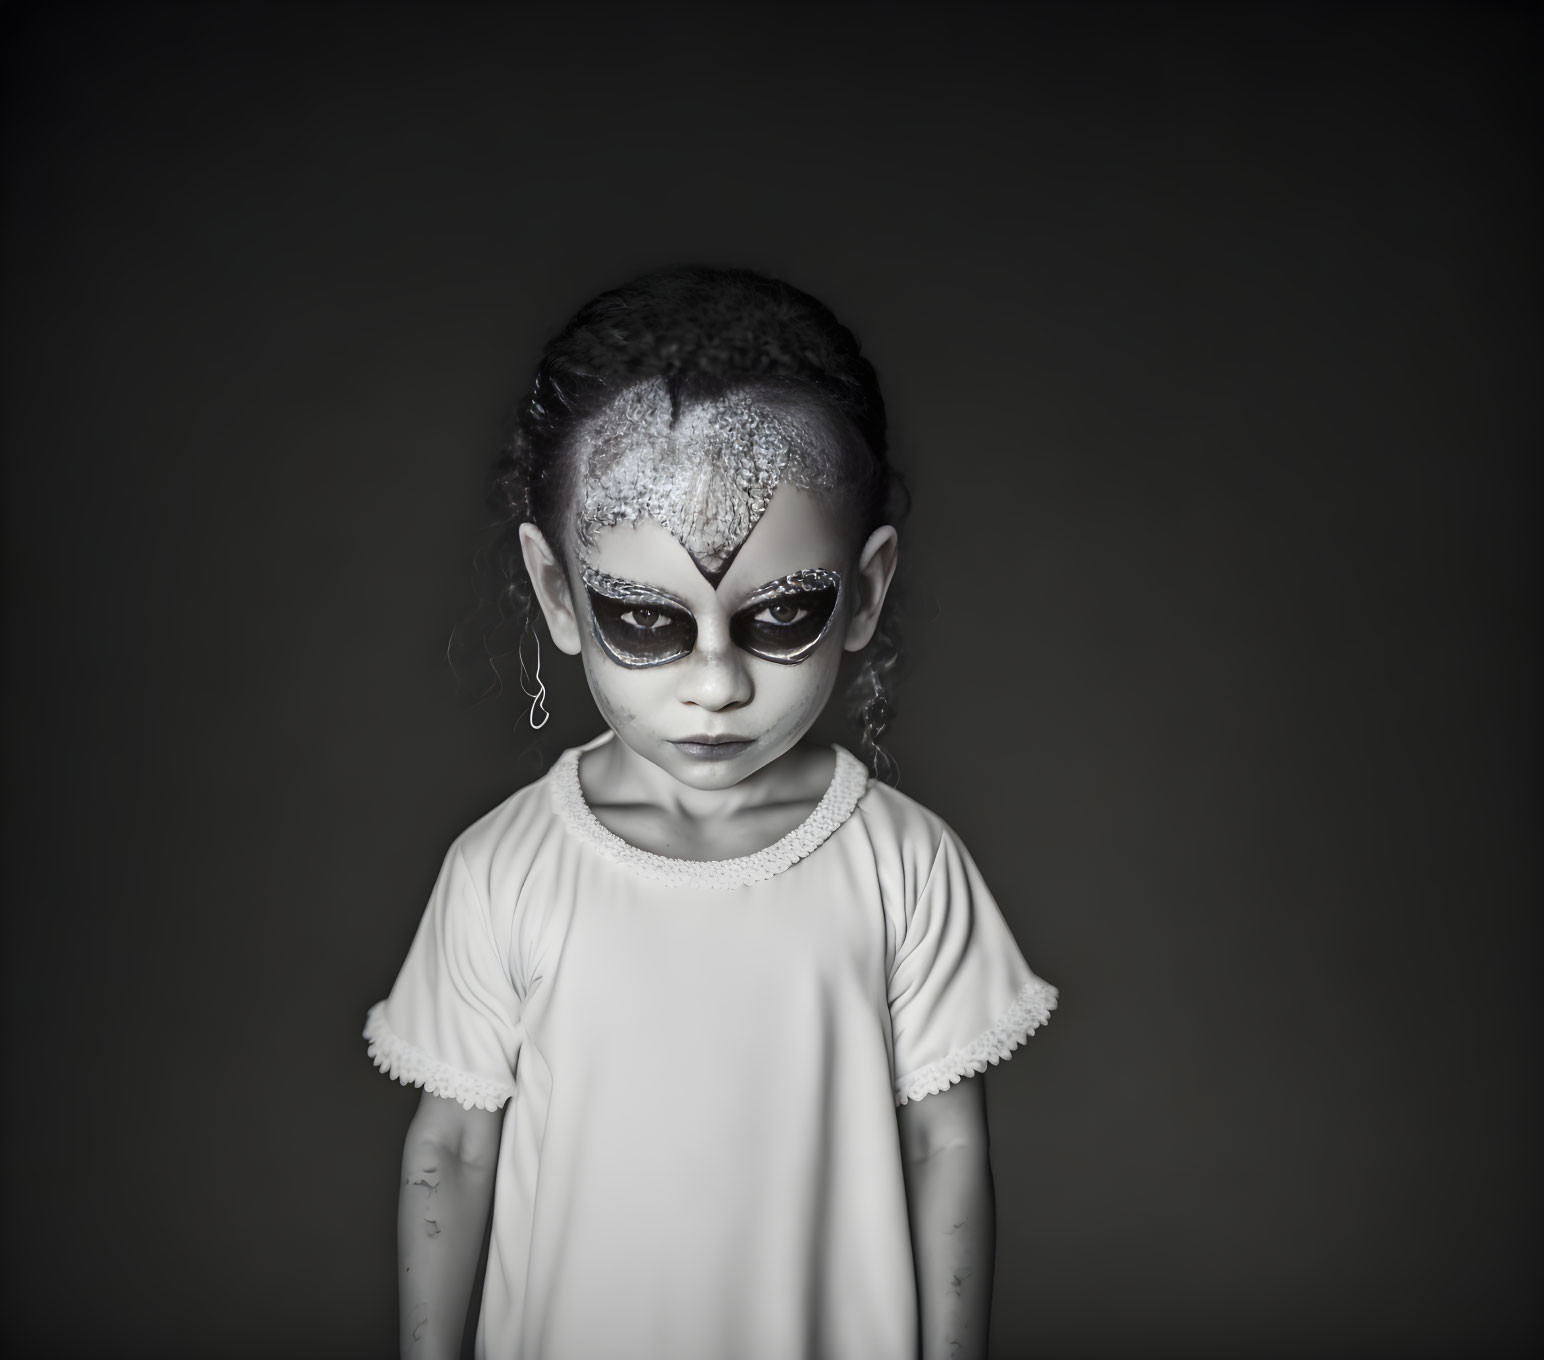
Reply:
x=538, y=696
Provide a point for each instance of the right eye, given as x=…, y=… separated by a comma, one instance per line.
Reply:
x=637, y=634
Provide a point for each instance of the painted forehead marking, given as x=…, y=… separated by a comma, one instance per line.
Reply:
x=707, y=476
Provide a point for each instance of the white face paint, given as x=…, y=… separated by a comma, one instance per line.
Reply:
x=718, y=713
x=707, y=476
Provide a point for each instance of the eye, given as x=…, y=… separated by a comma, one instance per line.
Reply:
x=783, y=613
x=785, y=626
x=641, y=616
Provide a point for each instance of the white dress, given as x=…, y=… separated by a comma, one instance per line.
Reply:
x=700, y=1160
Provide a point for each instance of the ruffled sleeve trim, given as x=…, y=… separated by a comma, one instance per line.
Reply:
x=411, y=1066
x=1031, y=1009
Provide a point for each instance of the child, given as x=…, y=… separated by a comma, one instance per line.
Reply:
x=665, y=1001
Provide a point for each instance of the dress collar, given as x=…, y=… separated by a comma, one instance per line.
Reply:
x=849, y=780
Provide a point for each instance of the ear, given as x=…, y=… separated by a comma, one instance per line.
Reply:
x=551, y=585
x=876, y=569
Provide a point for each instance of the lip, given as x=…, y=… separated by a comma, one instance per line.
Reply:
x=712, y=748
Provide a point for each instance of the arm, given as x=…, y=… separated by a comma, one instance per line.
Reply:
x=447, y=1184
x=953, y=1217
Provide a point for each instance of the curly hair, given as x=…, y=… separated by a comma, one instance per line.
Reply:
x=703, y=331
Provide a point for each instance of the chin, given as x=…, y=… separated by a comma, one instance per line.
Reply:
x=712, y=774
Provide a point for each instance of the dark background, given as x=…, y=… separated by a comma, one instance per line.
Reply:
x=1212, y=342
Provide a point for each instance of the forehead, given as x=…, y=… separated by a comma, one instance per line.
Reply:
x=706, y=472
x=799, y=530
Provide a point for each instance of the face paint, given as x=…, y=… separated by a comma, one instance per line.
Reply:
x=636, y=625
x=707, y=473
x=783, y=621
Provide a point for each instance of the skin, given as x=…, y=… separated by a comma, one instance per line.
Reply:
x=654, y=795
x=448, y=1163
x=953, y=1210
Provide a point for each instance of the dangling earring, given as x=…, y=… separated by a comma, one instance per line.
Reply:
x=538, y=696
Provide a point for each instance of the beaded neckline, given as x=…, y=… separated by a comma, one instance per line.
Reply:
x=848, y=781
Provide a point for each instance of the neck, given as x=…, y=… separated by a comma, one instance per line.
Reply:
x=620, y=775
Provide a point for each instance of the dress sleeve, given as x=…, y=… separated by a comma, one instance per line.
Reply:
x=961, y=995
x=452, y=1021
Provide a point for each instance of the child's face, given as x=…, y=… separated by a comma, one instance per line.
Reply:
x=711, y=684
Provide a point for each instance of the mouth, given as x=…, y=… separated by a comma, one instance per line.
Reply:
x=712, y=748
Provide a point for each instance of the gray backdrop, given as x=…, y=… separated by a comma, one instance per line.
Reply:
x=1211, y=338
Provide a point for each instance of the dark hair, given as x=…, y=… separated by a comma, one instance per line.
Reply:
x=703, y=331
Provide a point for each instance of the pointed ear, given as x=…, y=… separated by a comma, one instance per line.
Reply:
x=550, y=582
x=876, y=569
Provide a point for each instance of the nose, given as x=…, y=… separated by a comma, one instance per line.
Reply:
x=715, y=676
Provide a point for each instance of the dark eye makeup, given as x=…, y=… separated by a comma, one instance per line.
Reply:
x=782, y=621
x=636, y=625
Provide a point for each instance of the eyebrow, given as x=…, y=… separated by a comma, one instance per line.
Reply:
x=796, y=583
x=620, y=589
x=800, y=582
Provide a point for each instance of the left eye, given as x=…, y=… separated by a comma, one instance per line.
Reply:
x=782, y=614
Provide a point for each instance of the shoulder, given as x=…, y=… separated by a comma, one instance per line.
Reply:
x=506, y=839
x=899, y=820
x=906, y=838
